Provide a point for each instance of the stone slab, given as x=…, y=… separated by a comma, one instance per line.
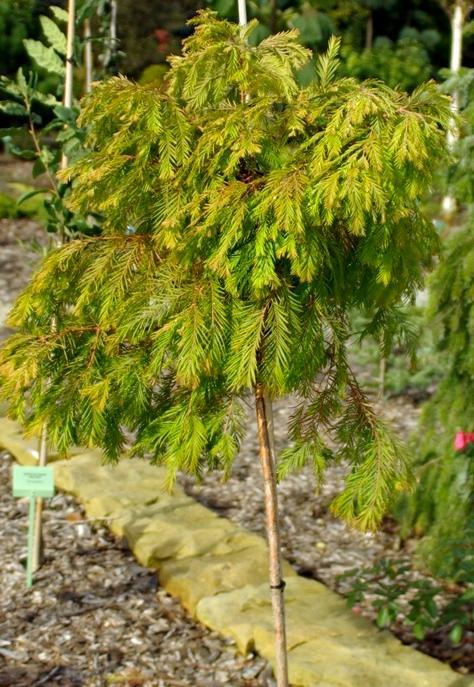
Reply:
x=13, y=440
x=329, y=646
x=25, y=449
x=231, y=565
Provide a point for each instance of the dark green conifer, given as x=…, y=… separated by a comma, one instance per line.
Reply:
x=442, y=506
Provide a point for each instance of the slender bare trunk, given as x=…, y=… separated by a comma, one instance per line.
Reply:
x=264, y=413
x=113, y=23
x=369, y=31
x=111, y=45
x=88, y=58
x=270, y=425
x=273, y=535
x=273, y=16
x=382, y=374
x=242, y=5
x=69, y=80
x=457, y=24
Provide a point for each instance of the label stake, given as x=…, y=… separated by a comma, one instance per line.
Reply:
x=32, y=482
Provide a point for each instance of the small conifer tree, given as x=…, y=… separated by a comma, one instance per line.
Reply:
x=243, y=218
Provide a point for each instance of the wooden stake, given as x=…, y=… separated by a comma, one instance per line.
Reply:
x=37, y=546
x=43, y=447
x=277, y=583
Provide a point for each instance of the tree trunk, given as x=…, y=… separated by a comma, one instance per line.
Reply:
x=113, y=32
x=88, y=57
x=111, y=45
x=242, y=6
x=273, y=16
x=369, y=31
x=457, y=25
x=69, y=79
x=273, y=535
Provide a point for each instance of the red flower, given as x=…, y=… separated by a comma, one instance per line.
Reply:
x=163, y=39
x=463, y=439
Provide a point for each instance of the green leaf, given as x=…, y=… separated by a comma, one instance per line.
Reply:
x=30, y=194
x=456, y=634
x=38, y=168
x=54, y=35
x=21, y=81
x=60, y=14
x=23, y=154
x=419, y=631
x=12, y=108
x=296, y=457
x=383, y=617
x=66, y=114
x=45, y=57
x=45, y=98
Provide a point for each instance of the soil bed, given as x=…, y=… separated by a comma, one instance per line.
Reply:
x=94, y=617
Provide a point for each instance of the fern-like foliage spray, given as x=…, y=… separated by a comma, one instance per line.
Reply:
x=263, y=213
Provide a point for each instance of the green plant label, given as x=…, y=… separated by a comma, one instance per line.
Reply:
x=33, y=481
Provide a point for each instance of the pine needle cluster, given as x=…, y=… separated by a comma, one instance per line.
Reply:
x=244, y=218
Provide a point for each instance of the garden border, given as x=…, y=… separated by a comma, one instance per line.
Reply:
x=218, y=570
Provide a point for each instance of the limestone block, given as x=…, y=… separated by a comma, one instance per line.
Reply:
x=12, y=439
x=77, y=474
x=324, y=663
x=329, y=647
x=23, y=448
x=187, y=531
x=131, y=480
x=133, y=521
x=195, y=578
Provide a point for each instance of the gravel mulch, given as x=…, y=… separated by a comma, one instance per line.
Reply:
x=19, y=250
x=94, y=617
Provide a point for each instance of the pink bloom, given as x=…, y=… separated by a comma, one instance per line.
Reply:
x=463, y=439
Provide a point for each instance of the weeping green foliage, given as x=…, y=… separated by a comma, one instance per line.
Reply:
x=244, y=218
x=442, y=507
